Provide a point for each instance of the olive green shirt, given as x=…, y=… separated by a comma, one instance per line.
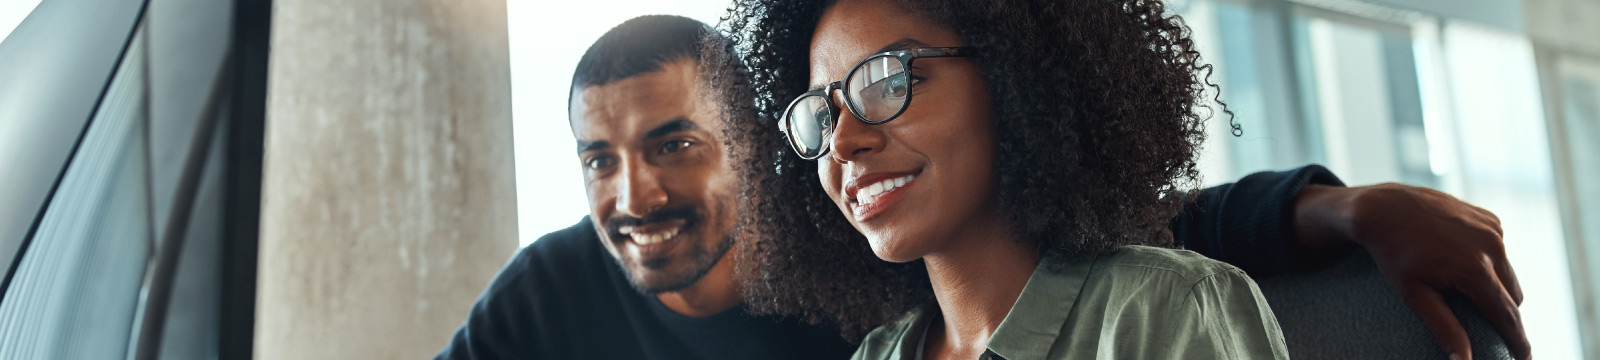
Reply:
x=1137, y=302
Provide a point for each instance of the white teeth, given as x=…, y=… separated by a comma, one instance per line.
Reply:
x=871, y=193
x=648, y=239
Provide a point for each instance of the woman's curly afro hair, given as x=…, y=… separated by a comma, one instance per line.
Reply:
x=1097, y=109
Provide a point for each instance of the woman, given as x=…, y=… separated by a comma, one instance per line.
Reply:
x=1005, y=158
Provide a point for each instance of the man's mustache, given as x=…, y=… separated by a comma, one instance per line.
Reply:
x=686, y=213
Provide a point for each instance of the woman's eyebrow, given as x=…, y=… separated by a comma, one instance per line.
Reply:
x=902, y=44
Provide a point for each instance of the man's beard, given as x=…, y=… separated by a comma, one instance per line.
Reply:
x=700, y=258
x=702, y=261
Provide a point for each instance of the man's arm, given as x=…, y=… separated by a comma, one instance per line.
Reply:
x=1250, y=224
x=1424, y=241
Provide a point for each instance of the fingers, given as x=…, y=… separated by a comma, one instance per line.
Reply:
x=1446, y=329
x=1492, y=220
x=1502, y=266
x=1508, y=279
x=1498, y=306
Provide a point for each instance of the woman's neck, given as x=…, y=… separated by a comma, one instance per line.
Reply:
x=976, y=281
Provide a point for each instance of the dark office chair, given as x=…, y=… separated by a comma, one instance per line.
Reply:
x=1348, y=311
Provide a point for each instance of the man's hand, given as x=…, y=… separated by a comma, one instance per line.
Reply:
x=1425, y=242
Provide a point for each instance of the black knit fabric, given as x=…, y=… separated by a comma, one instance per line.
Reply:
x=564, y=297
x=1250, y=223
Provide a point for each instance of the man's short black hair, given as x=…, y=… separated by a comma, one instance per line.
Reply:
x=638, y=46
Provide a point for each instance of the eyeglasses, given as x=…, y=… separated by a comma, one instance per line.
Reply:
x=876, y=90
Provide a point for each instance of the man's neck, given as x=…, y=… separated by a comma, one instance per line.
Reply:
x=714, y=293
x=976, y=283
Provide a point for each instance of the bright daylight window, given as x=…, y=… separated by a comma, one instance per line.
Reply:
x=11, y=14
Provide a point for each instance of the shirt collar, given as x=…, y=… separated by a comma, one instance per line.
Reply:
x=911, y=344
x=1046, y=302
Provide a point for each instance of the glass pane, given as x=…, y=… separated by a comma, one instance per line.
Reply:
x=1254, y=65
x=1581, y=109
x=12, y=12
x=1368, y=105
x=76, y=288
x=1505, y=166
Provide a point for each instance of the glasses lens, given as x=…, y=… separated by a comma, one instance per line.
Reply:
x=878, y=88
x=808, y=120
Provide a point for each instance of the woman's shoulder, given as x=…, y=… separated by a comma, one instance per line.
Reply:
x=1198, y=307
x=889, y=340
x=1178, y=265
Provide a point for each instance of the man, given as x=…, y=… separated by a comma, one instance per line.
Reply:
x=648, y=276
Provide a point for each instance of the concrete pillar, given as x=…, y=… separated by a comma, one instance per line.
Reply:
x=388, y=198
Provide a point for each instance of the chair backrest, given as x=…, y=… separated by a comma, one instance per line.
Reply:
x=1348, y=311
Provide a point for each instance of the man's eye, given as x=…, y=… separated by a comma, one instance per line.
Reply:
x=599, y=162
x=675, y=145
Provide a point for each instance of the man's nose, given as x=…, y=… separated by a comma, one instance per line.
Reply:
x=640, y=191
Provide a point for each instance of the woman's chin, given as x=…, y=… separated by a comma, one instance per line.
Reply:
x=893, y=251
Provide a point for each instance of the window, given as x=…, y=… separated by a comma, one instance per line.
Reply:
x=1367, y=105
x=106, y=171
x=76, y=289
x=1576, y=136
x=1387, y=95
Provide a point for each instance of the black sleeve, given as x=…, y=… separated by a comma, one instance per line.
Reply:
x=1250, y=223
x=499, y=324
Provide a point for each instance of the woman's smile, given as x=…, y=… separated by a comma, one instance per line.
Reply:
x=874, y=193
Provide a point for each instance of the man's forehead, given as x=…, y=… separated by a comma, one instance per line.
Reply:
x=633, y=105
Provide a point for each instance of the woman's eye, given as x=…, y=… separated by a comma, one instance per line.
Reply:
x=898, y=86
x=894, y=86
x=599, y=162
x=675, y=145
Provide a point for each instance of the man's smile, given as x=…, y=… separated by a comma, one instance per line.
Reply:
x=652, y=233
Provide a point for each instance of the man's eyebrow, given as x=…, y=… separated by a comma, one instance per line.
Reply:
x=902, y=44
x=676, y=125
x=592, y=145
